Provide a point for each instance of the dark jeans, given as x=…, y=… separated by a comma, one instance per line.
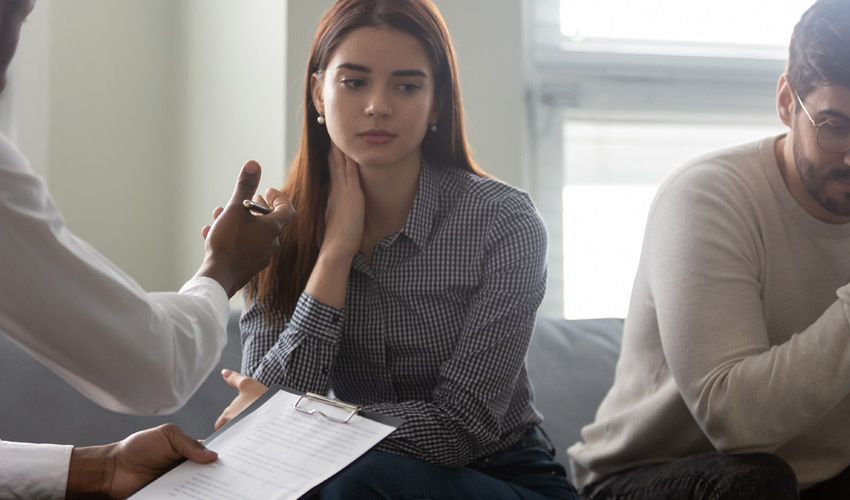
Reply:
x=711, y=476
x=526, y=470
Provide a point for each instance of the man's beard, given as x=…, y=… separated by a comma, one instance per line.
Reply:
x=815, y=179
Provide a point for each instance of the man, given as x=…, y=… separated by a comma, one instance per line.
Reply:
x=123, y=348
x=734, y=375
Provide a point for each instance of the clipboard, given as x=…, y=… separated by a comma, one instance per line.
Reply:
x=309, y=396
x=286, y=444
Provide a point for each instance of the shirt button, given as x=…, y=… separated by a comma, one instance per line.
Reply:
x=324, y=370
x=335, y=319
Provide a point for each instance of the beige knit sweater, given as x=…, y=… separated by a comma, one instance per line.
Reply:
x=737, y=337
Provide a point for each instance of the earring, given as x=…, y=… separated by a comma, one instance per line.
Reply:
x=321, y=120
x=434, y=127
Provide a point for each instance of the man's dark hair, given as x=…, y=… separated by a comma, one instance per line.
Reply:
x=819, y=54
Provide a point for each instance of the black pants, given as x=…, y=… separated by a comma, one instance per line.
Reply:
x=716, y=476
x=525, y=471
x=709, y=476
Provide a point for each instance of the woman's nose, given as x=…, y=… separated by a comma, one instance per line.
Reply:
x=378, y=105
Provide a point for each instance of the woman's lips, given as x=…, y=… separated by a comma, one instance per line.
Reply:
x=376, y=136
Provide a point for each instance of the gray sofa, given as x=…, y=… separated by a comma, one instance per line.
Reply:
x=571, y=365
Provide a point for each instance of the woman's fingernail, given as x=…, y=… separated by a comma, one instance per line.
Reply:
x=225, y=373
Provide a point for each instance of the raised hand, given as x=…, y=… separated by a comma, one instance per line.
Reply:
x=239, y=244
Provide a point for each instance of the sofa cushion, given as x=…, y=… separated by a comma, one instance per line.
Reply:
x=571, y=366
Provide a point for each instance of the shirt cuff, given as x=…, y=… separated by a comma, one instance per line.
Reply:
x=321, y=320
x=203, y=286
x=34, y=470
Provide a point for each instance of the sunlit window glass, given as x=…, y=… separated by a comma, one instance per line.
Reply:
x=718, y=22
x=612, y=171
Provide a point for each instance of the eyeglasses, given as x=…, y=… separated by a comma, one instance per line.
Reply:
x=831, y=138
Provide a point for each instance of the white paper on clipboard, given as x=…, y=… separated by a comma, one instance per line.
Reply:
x=273, y=451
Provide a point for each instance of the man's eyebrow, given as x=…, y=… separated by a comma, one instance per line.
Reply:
x=834, y=113
x=401, y=72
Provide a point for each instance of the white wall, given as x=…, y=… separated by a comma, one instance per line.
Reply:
x=232, y=107
x=112, y=135
x=140, y=112
x=488, y=39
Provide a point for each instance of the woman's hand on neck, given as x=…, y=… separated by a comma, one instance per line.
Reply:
x=344, y=222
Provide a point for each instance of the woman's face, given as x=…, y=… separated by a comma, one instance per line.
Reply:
x=377, y=97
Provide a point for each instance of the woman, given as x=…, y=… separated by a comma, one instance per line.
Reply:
x=409, y=282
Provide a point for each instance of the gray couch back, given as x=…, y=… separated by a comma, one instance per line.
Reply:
x=571, y=366
x=40, y=407
x=570, y=363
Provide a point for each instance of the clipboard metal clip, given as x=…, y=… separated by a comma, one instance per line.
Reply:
x=335, y=403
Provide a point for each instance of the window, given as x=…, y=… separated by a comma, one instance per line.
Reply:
x=612, y=169
x=681, y=26
x=619, y=97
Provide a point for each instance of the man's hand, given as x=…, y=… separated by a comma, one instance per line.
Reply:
x=117, y=470
x=249, y=391
x=239, y=244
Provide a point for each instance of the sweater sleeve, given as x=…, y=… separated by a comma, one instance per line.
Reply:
x=705, y=265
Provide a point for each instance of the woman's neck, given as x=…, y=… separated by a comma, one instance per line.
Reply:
x=389, y=193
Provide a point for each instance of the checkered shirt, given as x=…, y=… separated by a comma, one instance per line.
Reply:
x=435, y=328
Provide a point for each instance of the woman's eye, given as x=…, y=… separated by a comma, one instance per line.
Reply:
x=354, y=83
x=408, y=87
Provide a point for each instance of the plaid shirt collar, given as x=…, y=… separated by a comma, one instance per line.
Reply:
x=425, y=209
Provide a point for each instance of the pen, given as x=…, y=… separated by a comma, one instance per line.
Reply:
x=256, y=207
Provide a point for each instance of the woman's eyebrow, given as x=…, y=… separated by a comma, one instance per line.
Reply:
x=401, y=72
x=354, y=67
x=410, y=72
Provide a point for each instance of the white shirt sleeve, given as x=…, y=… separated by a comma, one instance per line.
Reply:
x=33, y=471
x=81, y=316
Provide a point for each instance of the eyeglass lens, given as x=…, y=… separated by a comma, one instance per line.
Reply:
x=833, y=139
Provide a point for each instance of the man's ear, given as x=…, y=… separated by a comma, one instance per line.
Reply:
x=785, y=101
x=316, y=92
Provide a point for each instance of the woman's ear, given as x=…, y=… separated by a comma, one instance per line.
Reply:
x=316, y=92
x=785, y=101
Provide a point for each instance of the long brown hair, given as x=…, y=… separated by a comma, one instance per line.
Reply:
x=279, y=285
